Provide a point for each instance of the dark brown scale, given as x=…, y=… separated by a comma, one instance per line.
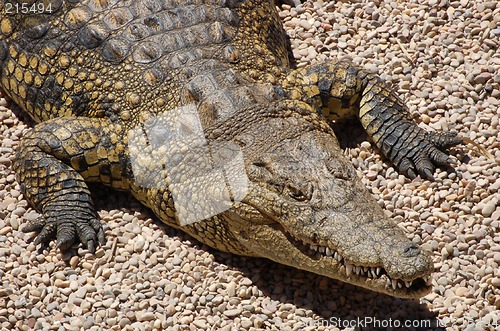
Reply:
x=137, y=31
x=36, y=28
x=3, y=50
x=147, y=52
x=116, y=50
x=92, y=36
x=77, y=18
x=118, y=17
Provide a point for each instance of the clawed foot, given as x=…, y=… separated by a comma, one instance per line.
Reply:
x=89, y=232
x=423, y=154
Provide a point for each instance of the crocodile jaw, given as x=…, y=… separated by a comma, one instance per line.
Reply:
x=274, y=243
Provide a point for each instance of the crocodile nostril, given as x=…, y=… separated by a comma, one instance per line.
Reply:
x=411, y=250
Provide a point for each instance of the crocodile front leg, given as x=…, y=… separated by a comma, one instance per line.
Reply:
x=339, y=90
x=53, y=163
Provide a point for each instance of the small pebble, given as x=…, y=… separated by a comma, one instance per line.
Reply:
x=232, y=312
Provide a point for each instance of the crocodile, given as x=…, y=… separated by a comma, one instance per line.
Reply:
x=195, y=107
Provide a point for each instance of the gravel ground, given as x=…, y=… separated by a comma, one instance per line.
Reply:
x=443, y=57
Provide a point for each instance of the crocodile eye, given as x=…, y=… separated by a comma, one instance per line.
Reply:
x=297, y=194
x=341, y=175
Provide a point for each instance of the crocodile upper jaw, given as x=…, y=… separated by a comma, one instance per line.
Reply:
x=274, y=242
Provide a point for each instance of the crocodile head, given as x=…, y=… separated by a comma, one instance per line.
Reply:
x=306, y=208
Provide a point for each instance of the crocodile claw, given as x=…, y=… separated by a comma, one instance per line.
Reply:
x=422, y=157
x=67, y=232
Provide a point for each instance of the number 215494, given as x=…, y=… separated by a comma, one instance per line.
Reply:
x=25, y=8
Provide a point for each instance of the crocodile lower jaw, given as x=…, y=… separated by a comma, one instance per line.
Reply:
x=374, y=278
x=368, y=272
x=263, y=239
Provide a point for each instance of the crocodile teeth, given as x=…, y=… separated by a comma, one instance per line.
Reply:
x=322, y=249
x=348, y=269
x=371, y=272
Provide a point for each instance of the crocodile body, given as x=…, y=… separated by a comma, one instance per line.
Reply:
x=193, y=106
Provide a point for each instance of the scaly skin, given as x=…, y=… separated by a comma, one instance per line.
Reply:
x=114, y=84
